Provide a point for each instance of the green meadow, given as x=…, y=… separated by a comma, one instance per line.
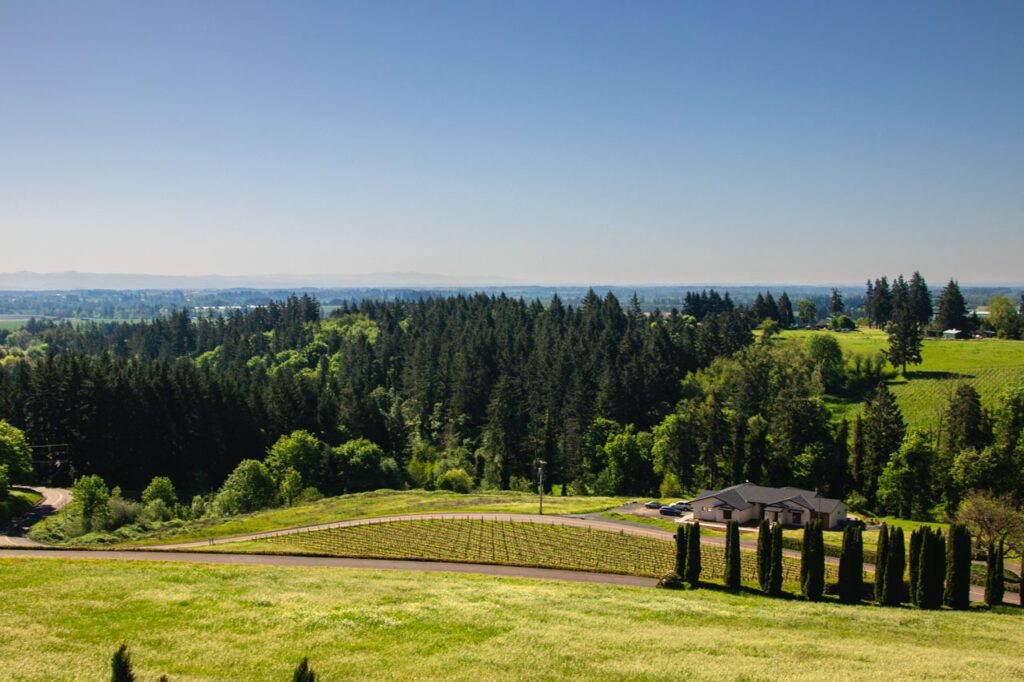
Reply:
x=990, y=365
x=62, y=620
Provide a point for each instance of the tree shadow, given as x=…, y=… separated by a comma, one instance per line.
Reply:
x=925, y=374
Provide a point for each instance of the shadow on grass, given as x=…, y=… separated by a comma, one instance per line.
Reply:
x=923, y=374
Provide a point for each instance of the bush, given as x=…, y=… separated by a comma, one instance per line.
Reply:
x=670, y=486
x=249, y=488
x=156, y=511
x=291, y=486
x=671, y=581
x=122, y=512
x=522, y=484
x=160, y=488
x=456, y=480
x=199, y=507
x=89, y=496
x=363, y=465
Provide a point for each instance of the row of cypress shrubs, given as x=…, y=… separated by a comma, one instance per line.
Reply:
x=939, y=566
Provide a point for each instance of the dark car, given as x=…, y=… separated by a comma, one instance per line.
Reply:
x=653, y=504
x=670, y=511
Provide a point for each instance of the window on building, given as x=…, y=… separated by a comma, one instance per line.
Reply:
x=796, y=517
x=726, y=514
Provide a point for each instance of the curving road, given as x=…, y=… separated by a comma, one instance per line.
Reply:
x=196, y=551
x=16, y=531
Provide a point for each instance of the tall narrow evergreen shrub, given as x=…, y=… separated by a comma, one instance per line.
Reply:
x=896, y=569
x=931, y=570
x=914, y=558
x=814, y=561
x=303, y=673
x=958, y=567
x=881, y=563
x=121, y=665
x=994, y=587
x=805, y=548
x=681, y=547
x=693, y=555
x=775, y=575
x=732, y=555
x=851, y=566
x=764, y=554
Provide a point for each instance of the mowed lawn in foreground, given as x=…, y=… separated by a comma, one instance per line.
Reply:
x=990, y=365
x=62, y=620
x=378, y=504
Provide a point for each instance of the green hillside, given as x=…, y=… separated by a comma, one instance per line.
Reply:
x=988, y=364
x=63, y=620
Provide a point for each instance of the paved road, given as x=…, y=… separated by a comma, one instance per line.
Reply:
x=55, y=498
x=16, y=531
x=377, y=564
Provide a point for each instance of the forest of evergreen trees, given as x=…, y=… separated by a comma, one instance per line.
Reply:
x=613, y=399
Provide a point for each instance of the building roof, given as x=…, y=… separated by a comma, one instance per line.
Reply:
x=746, y=495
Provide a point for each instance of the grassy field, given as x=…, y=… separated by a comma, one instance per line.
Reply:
x=17, y=501
x=63, y=619
x=367, y=505
x=510, y=543
x=12, y=323
x=989, y=365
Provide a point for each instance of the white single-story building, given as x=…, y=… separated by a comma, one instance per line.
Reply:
x=748, y=502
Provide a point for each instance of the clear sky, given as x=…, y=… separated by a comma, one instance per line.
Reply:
x=557, y=141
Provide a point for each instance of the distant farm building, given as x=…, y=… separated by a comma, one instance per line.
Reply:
x=748, y=502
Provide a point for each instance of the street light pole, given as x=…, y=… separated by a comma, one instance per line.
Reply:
x=540, y=482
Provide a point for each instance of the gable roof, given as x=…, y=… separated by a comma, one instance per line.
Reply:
x=746, y=495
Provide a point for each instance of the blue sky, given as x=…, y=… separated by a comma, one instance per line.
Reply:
x=564, y=142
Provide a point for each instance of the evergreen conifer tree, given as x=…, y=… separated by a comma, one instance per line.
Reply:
x=785, y=311
x=894, y=572
x=693, y=555
x=764, y=554
x=914, y=559
x=303, y=673
x=121, y=665
x=994, y=587
x=931, y=570
x=775, y=575
x=681, y=546
x=732, y=555
x=851, y=566
x=814, y=580
x=958, y=567
x=881, y=563
x=952, y=313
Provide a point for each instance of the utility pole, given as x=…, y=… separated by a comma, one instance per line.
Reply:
x=540, y=482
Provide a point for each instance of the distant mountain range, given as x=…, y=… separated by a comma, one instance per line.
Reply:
x=71, y=280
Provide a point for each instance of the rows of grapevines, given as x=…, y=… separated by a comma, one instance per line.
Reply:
x=516, y=543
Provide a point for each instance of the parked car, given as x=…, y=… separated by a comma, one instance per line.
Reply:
x=670, y=511
x=682, y=505
x=653, y=504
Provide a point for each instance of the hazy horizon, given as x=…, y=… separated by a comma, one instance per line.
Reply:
x=534, y=142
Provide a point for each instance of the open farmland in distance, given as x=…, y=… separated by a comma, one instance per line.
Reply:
x=990, y=365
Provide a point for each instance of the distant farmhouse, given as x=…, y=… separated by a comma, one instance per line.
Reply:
x=749, y=502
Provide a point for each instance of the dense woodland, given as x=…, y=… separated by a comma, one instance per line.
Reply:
x=613, y=399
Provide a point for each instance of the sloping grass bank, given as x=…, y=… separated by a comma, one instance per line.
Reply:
x=63, y=619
